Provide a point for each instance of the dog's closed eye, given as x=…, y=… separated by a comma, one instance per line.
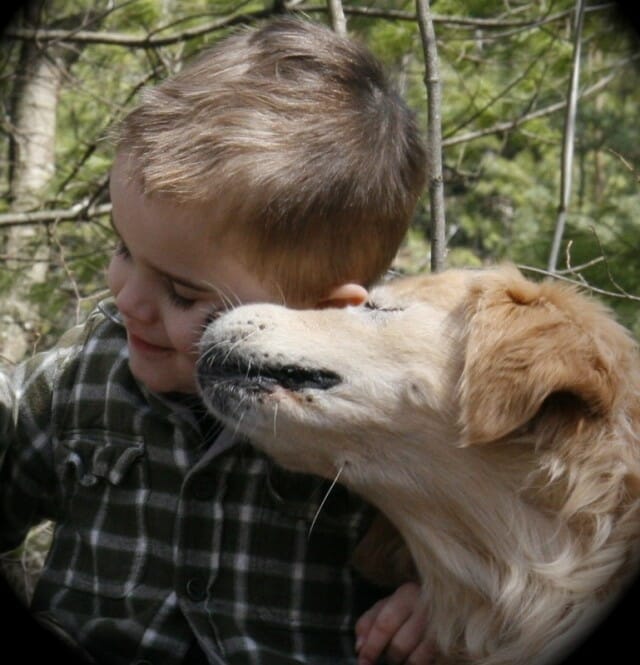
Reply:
x=369, y=304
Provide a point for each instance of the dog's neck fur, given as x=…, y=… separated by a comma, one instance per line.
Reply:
x=490, y=561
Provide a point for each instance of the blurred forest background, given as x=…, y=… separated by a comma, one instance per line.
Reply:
x=69, y=69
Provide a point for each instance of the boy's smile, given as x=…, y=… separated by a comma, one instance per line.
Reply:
x=166, y=276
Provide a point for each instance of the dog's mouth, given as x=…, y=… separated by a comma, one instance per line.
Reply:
x=238, y=372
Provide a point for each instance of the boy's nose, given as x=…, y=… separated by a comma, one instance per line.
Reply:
x=134, y=302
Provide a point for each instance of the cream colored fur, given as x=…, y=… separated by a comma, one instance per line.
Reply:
x=494, y=421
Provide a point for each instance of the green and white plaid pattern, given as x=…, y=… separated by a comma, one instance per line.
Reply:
x=167, y=529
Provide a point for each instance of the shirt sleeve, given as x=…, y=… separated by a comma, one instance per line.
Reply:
x=29, y=492
x=6, y=404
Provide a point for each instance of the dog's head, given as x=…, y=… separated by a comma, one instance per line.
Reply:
x=285, y=376
x=466, y=357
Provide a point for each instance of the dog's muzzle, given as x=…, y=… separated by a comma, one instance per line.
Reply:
x=239, y=373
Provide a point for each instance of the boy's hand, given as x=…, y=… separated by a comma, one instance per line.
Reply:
x=396, y=627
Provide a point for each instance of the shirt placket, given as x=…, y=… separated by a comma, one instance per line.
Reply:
x=198, y=544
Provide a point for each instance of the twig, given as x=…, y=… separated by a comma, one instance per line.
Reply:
x=595, y=289
x=78, y=211
x=625, y=162
x=606, y=263
x=528, y=117
x=581, y=267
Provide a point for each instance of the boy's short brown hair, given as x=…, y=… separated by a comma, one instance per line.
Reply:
x=298, y=133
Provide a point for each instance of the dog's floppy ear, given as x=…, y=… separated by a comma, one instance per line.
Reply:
x=531, y=346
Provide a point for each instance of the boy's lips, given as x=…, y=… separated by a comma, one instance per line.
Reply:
x=143, y=345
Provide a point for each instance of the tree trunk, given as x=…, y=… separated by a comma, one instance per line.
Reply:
x=434, y=136
x=32, y=163
x=566, y=172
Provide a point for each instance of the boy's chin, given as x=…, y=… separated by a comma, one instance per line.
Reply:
x=164, y=380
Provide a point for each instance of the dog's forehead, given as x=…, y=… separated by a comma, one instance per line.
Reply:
x=441, y=290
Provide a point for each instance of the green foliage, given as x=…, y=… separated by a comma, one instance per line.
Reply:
x=501, y=187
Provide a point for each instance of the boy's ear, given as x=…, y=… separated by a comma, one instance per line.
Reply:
x=344, y=295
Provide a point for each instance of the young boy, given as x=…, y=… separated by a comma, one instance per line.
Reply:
x=278, y=167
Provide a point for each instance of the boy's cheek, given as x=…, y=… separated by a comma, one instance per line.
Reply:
x=186, y=337
x=113, y=283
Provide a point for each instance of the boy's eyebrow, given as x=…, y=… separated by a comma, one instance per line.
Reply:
x=200, y=286
x=187, y=283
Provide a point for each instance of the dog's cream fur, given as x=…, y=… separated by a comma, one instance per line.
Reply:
x=494, y=421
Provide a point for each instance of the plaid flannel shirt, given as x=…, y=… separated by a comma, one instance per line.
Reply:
x=169, y=532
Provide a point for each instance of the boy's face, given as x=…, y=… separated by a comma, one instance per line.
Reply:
x=166, y=276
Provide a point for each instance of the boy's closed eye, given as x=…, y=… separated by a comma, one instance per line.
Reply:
x=121, y=249
x=178, y=300
x=186, y=296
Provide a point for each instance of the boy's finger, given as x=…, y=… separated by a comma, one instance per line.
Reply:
x=390, y=617
x=365, y=622
x=408, y=638
x=425, y=654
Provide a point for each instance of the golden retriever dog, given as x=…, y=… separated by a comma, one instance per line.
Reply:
x=494, y=421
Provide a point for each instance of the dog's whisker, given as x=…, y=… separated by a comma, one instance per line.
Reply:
x=229, y=298
x=283, y=297
x=239, y=420
x=324, y=499
x=226, y=300
x=275, y=416
x=209, y=355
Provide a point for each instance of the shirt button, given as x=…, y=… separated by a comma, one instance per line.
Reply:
x=196, y=589
x=202, y=487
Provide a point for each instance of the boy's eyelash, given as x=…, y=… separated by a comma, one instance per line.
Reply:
x=121, y=250
x=178, y=300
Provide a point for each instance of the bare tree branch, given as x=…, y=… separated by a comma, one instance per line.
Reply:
x=152, y=39
x=569, y=138
x=539, y=113
x=76, y=212
x=461, y=21
x=578, y=282
x=434, y=136
x=135, y=41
